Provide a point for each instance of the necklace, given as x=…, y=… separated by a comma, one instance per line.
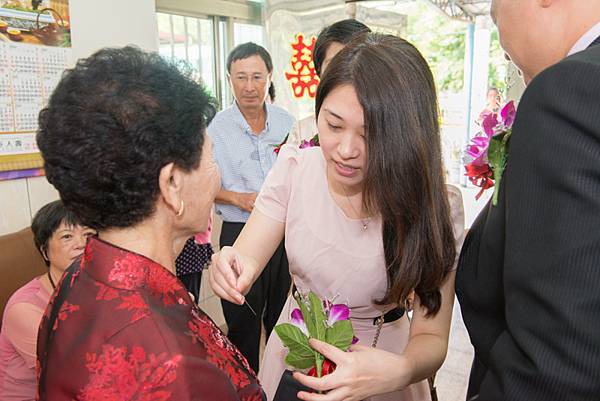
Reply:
x=365, y=223
x=51, y=281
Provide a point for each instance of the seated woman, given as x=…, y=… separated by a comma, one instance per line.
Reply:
x=123, y=140
x=60, y=239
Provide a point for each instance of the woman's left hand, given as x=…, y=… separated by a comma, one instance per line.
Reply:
x=360, y=373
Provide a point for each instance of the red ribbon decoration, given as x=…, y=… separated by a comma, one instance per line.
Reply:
x=328, y=368
x=481, y=176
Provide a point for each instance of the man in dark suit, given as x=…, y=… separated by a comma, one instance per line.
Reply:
x=529, y=273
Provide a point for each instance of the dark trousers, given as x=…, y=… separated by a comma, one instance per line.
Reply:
x=192, y=283
x=267, y=297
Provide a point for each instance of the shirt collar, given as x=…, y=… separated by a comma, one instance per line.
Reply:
x=125, y=270
x=239, y=117
x=586, y=39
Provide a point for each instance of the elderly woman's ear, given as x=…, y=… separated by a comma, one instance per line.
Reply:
x=44, y=255
x=170, y=182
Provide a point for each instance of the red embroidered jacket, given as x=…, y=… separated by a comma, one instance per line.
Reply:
x=122, y=327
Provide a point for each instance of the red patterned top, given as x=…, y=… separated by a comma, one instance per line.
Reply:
x=122, y=327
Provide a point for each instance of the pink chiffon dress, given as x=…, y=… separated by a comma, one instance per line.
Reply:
x=333, y=256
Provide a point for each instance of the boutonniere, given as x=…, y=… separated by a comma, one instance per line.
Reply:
x=320, y=319
x=314, y=141
x=487, y=153
x=278, y=147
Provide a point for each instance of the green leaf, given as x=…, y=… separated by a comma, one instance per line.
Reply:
x=292, y=337
x=340, y=334
x=306, y=313
x=496, y=153
x=300, y=353
x=497, y=157
x=300, y=361
x=318, y=316
x=319, y=359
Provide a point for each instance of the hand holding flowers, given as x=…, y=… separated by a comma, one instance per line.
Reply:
x=359, y=374
x=318, y=319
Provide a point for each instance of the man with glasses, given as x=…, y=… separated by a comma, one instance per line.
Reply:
x=245, y=136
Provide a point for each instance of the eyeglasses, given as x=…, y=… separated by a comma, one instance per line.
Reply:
x=243, y=78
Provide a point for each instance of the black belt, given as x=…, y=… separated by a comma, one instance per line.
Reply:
x=390, y=316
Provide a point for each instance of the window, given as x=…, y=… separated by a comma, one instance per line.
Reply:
x=190, y=39
x=204, y=42
x=226, y=96
x=243, y=33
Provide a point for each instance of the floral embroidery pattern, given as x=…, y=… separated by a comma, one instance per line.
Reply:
x=116, y=375
x=134, y=362
x=131, y=302
x=106, y=293
x=128, y=272
x=74, y=277
x=136, y=304
x=164, y=284
x=220, y=351
x=65, y=310
x=87, y=258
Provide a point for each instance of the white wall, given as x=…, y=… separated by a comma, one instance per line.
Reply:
x=112, y=23
x=93, y=25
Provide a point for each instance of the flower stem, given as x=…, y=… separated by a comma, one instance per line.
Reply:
x=496, y=190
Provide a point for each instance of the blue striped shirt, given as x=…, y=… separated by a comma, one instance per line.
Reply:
x=243, y=157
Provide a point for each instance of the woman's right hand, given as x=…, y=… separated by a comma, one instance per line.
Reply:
x=231, y=275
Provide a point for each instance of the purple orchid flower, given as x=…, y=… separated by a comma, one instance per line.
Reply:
x=489, y=124
x=355, y=340
x=298, y=321
x=337, y=312
x=314, y=141
x=508, y=114
x=477, y=150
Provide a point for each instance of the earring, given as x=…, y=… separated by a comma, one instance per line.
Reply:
x=180, y=211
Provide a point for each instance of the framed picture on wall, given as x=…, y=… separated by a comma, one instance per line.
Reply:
x=35, y=49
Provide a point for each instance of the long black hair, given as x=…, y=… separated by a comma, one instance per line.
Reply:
x=341, y=32
x=404, y=180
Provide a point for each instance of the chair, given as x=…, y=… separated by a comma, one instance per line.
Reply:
x=20, y=262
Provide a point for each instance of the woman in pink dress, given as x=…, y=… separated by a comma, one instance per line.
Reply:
x=368, y=220
x=60, y=239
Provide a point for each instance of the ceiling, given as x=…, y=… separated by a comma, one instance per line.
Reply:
x=463, y=9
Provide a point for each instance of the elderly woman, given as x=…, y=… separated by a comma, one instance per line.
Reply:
x=60, y=239
x=123, y=140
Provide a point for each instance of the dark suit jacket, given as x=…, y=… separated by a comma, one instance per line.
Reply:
x=528, y=279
